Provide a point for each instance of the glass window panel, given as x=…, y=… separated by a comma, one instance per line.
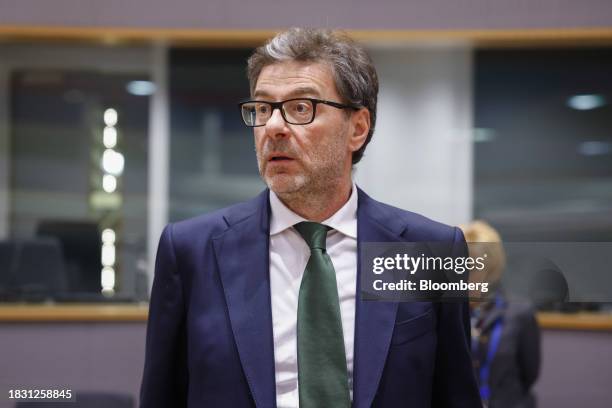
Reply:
x=543, y=158
x=212, y=162
x=58, y=205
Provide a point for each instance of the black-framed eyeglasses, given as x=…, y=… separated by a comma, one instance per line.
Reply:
x=298, y=111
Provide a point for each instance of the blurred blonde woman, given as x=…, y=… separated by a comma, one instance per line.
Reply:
x=505, y=335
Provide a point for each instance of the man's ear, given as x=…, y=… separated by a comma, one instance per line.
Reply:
x=360, y=121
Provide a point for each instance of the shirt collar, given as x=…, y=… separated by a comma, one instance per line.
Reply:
x=344, y=220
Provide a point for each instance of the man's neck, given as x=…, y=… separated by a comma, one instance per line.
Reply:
x=318, y=206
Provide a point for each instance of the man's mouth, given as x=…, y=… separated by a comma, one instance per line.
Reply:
x=279, y=158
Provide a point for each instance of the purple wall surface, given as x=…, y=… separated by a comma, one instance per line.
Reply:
x=576, y=369
x=106, y=357
x=348, y=14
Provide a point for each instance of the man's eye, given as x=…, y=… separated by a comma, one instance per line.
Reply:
x=262, y=109
x=302, y=107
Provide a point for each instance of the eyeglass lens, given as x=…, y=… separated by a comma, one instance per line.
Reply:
x=297, y=112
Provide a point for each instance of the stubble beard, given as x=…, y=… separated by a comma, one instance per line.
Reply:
x=310, y=185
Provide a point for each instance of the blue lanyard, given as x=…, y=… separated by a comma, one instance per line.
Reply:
x=485, y=368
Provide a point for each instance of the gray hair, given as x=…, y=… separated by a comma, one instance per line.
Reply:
x=353, y=70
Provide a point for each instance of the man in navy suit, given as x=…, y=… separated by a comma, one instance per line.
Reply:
x=257, y=304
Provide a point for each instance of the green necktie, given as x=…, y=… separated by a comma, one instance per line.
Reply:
x=322, y=375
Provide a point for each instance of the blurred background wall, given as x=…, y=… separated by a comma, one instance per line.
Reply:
x=234, y=14
x=117, y=117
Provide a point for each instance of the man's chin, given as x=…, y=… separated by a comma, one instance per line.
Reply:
x=285, y=183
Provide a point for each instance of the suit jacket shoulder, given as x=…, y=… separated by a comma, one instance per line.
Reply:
x=399, y=221
x=198, y=230
x=411, y=225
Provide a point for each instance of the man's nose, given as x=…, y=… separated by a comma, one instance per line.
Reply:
x=276, y=125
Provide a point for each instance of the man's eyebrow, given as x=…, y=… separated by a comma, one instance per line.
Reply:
x=259, y=93
x=303, y=90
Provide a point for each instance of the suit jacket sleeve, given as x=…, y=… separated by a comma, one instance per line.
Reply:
x=454, y=381
x=164, y=381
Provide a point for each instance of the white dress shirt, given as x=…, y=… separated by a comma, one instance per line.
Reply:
x=289, y=254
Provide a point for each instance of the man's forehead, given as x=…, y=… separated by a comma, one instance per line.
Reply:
x=294, y=77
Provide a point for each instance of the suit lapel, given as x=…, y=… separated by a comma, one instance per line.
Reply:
x=374, y=321
x=242, y=255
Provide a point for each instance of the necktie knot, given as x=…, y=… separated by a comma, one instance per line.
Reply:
x=313, y=233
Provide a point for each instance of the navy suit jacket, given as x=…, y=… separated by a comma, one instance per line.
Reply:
x=209, y=335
